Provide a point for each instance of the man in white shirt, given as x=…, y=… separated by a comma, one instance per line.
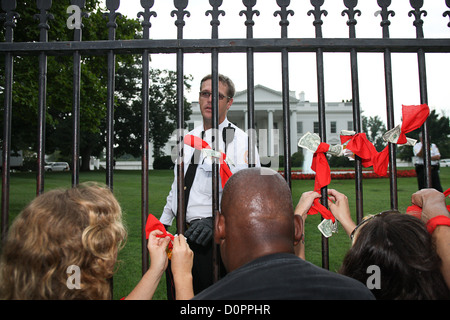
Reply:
x=420, y=167
x=234, y=143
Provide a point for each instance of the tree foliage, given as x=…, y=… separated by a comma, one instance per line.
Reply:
x=93, y=88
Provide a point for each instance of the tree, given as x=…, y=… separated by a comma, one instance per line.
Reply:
x=374, y=128
x=93, y=88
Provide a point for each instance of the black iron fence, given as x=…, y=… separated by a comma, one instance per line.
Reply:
x=111, y=47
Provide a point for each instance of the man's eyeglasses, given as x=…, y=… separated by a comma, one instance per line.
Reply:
x=207, y=94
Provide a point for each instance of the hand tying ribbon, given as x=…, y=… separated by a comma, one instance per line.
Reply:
x=319, y=165
x=200, y=144
x=154, y=224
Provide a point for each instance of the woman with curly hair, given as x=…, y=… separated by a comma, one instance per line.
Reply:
x=79, y=227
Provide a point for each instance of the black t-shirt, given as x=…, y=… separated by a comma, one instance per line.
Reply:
x=284, y=276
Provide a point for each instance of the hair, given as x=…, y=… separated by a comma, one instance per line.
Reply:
x=80, y=226
x=400, y=245
x=225, y=80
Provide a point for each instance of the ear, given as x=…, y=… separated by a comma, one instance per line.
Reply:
x=298, y=229
x=219, y=228
x=229, y=103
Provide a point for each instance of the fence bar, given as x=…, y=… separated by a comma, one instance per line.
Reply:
x=250, y=82
x=43, y=17
x=215, y=13
x=284, y=13
x=76, y=103
x=111, y=15
x=181, y=210
x=418, y=23
x=227, y=45
x=317, y=12
x=385, y=12
x=9, y=6
x=351, y=22
x=147, y=14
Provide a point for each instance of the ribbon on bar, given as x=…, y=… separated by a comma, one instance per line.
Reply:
x=154, y=224
x=413, y=118
x=200, y=144
x=320, y=166
x=323, y=178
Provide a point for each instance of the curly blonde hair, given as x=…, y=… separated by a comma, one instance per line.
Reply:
x=80, y=226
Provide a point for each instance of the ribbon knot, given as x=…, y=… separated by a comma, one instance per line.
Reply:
x=200, y=144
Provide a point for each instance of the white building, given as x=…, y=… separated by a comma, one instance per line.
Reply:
x=269, y=119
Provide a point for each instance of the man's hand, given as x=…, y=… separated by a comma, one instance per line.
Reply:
x=200, y=231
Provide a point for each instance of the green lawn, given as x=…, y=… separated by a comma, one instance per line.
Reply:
x=127, y=188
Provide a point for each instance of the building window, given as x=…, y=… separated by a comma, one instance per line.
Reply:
x=190, y=126
x=300, y=127
x=349, y=125
x=333, y=126
x=316, y=127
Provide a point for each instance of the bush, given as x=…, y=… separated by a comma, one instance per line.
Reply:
x=163, y=163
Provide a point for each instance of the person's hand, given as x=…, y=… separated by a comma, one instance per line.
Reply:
x=432, y=203
x=181, y=264
x=305, y=202
x=182, y=256
x=338, y=205
x=157, y=250
x=200, y=231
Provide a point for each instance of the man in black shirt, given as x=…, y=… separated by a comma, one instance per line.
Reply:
x=257, y=230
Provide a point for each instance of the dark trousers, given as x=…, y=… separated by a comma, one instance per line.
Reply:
x=202, y=270
x=435, y=180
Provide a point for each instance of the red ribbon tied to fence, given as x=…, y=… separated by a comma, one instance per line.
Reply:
x=323, y=178
x=154, y=224
x=199, y=144
x=412, y=118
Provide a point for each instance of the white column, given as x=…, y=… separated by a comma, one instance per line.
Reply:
x=270, y=149
x=294, y=146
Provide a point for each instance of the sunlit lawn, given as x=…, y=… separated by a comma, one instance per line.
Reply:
x=127, y=188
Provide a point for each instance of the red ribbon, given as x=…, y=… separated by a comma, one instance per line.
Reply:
x=412, y=118
x=154, y=224
x=323, y=178
x=199, y=144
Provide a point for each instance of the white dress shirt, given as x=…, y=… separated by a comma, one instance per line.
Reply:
x=200, y=198
x=434, y=151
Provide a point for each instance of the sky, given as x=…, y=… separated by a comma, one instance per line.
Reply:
x=302, y=66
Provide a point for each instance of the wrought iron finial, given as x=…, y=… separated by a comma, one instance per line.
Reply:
x=215, y=13
x=351, y=12
x=447, y=13
x=418, y=22
x=147, y=14
x=385, y=13
x=317, y=15
x=249, y=15
x=283, y=13
x=43, y=17
x=9, y=16
x=112, y=6
x=180, y=13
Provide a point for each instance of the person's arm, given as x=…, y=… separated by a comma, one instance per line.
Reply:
x=181, y=264
x=433, y=204
x=146, y=288
x=304, y=204
x=338, y=205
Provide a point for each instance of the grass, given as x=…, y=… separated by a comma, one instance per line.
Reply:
x=127, y=188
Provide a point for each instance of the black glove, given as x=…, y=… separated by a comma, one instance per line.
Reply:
x=200, y=231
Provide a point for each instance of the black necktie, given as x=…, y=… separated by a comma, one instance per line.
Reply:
x=190, y=175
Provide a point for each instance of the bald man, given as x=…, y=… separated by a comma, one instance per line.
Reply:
x=257, y=230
